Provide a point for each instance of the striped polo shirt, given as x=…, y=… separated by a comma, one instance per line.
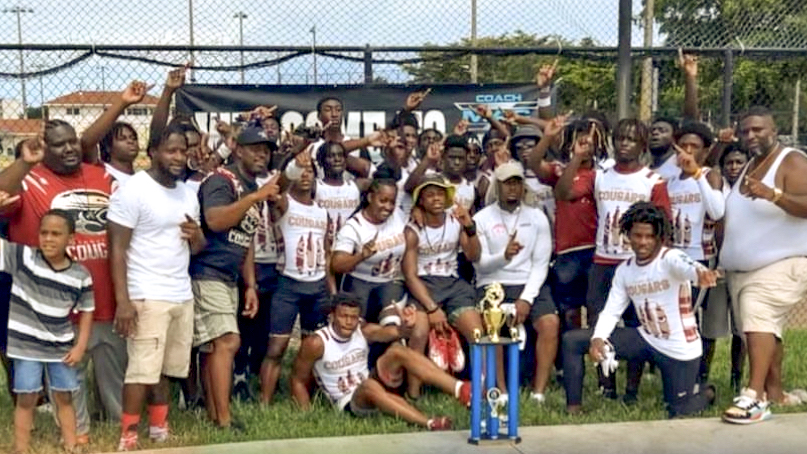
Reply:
x=42, y=299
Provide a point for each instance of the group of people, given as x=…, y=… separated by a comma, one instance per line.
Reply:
x=197, y=269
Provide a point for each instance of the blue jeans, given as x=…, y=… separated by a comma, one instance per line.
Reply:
x=28, y=376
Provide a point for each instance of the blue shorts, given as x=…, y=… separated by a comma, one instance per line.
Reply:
x=28, y=376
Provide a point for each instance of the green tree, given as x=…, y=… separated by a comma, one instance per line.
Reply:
x=584, y=81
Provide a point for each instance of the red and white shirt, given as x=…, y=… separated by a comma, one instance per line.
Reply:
x=85, y=194
x=661, y=293
x=695, y=208
x=303, y=229
x=614, y=193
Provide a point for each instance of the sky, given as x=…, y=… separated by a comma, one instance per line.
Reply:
x=345, y=23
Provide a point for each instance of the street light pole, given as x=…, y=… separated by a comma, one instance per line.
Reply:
x=190, y=31
x=18, y=10
x=241, y=16
x=314, y=50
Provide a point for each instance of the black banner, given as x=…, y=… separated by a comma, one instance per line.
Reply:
x=366, y=107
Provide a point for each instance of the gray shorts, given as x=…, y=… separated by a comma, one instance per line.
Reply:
x=452, y=294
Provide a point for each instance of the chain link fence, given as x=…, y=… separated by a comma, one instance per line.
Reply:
x=69, y=59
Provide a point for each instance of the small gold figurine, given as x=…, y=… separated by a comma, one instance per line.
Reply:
x=492, y=313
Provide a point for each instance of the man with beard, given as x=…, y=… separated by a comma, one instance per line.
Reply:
x=153, y=231
x=229, y=200
x=764, y=253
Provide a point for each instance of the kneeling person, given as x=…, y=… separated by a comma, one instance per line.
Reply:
x=657, y=281
x=337, y=357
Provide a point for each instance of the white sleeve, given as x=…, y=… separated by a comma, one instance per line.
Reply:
x=616, y=304
x=681, y=266
x=539, y=259
x=489, y=261
x=713, y=199
x=347, y=239
x=124, y=206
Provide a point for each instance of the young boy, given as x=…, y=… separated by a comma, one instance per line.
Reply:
x=48, y=286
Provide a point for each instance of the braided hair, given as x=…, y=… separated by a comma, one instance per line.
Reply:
x=581, y=127
x=105, y=145
x=646, y=213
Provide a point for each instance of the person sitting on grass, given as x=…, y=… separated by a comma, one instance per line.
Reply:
x=657, y=281
x=337, y=357
x=48, y=287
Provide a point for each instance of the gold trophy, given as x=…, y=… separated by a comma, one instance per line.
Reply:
x=492, y=313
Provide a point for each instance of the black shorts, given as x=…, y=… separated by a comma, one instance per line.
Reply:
x=308, y=299
x=5, y=298
x=541, y=305
x=454, y=295
x=373, y=296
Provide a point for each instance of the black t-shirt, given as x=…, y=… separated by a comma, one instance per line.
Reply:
x=224, y=254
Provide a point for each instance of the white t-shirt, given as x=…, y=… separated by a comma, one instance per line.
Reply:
x=385, y=264
x=340, y=202
x=669, y=168
x=157, y=259
x=540, y=195
x=119, y=176
x=303, y=229
x=661, y=292
x=465, y=194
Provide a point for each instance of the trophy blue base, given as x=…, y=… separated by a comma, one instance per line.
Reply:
x=491, y=433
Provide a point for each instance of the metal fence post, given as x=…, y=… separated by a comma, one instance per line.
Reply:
x=624, y=63
x=368, y=65
x=728, y=82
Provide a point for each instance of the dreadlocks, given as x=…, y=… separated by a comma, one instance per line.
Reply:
x=646, y=213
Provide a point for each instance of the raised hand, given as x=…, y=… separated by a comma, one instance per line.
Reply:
x=434, y=153
x=555, y=126
x=689, y=63
x=584, y=147
x=726, y=135
x=378, y=139
x=135, y=92
x=33, y=150
x=414, y=100
x=271, y=189
x=511, y=117
x=461, y=127
x=483, y=110
x=686, y=161
x=263, y=112
x=545, y=74
x=461, y=214
x=176, y=77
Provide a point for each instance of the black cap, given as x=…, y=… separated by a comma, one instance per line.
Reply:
x=252, y=135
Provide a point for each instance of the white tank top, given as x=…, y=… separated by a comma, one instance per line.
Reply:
x=540, y=196
x=385, y=264
x=340, y=202
x=438, y=248
x=693, y=231
x=343, y=365
x=758, y=233
x=265, y=234
x=615, y=192
x=303, y=229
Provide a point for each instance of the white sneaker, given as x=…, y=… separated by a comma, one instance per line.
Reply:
x=747, y=409
x=539, y=398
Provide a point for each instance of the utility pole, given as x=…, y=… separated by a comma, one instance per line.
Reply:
x=241, y=16
x=314, y=50
x=19, y=10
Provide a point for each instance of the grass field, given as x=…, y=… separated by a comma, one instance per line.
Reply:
x=283, y=420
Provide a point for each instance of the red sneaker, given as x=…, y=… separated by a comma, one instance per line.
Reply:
x=456, y=357
x=438, y=350
x=439, y=423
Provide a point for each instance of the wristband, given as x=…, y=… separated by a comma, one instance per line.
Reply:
x=470, y=230
x=293, y=172
x=777, y=195
x=436, y=308
x=697, y=174
x=545, y=101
